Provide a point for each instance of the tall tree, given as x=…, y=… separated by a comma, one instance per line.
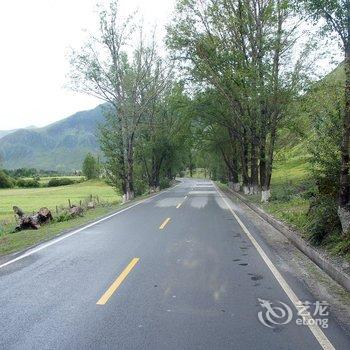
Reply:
x=336, y=16
x=241, y=48
x=128, y=82
x=90, y=167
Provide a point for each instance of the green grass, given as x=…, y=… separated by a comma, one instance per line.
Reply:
x=198, y=173
x=32, y=199
x=293, y=212
x=12, y=242
x=290, y=172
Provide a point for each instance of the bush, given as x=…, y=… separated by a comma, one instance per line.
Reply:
x=5, y=181
x=323, y=219
x=284, y=194
x=140, y=187
x=164, y=183
x=64, y=216
x=60, y=182
x=30, y=183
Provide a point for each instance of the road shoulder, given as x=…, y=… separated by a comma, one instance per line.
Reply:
x=291, y=260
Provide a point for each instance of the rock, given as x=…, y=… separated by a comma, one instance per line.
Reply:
x=18, y=211
x=33, y=222
x=28, y=223
x=44, y=215
x=91, y=205
x=75, y=211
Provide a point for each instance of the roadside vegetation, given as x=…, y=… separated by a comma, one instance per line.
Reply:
x=237, y=99
x=32, y=199
x=264, y=123
x=15, y=241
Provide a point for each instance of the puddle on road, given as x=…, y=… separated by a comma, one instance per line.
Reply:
x=199, y=202
x=168, y=202
x=255, y=277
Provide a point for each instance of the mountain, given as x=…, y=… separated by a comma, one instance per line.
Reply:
x=60, y=146
x=7, y=132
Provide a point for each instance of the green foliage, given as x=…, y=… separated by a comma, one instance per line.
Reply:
x=5, y=181
x=63, y=216
x=27, y=183
x=335, y=14
x=31, y=199
x=322, y=219
x=22, y=172
x=91, y=167
x=164, y=183
x=140, y=186
x=62, y=181
x=284, y=194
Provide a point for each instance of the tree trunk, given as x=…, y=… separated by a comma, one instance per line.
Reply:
x=264, y=183
x=233, y=174
x=129, y=183
x=344, y=192
x=245, y=175
x=154, y=181
x=254, y=177
x=262, y=164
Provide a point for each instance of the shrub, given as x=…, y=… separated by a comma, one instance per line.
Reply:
x=323, y=219
x=27, y=183
x=5, y=181
x=284, y=194
x=60, y=182
x=140, y=187
x=164, y=183
x=64, y=216
x=91, y=167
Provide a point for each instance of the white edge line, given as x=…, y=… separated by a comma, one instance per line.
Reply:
x=314, y=328
x=54, y=241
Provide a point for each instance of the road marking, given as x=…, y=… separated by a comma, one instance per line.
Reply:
x=114, y=286
x=178, y=206
x=61, y=238
x=185, y=197
x=165, y=222
x=309, y=321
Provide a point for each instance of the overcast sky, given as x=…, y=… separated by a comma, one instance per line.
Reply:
x=35, y=36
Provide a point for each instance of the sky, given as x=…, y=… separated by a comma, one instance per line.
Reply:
x=35, y=38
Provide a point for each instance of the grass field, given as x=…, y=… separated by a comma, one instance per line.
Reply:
x=32, y=199
x=286, y=204
x=12, y=242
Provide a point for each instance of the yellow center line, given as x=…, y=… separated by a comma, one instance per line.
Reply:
x=114, y=286
x=165, y=222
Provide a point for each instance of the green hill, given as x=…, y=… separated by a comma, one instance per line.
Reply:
x=59, y=146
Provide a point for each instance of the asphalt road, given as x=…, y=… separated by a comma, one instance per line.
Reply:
x=182, y=270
